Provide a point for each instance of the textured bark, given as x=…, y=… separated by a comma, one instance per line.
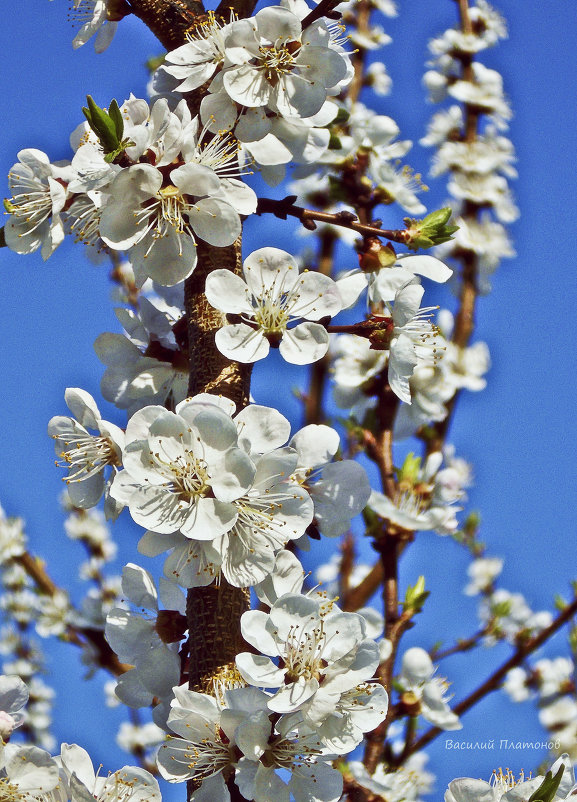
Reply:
x=210, y=371
x=169, y=20
x=213, y=612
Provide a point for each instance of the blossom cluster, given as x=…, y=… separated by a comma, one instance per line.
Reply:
x=227, y=492
x=308, y=698
x=480, y=164
x=271, y=80
x=163, y=190
x=31, y=773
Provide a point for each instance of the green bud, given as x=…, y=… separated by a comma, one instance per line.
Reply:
x=573, y=640
x=472, y=523
x=548, y=788
x=116, y=116
x=154, y=63
x=416, y=596
x=108, y=126
x=559, y=602
x=501, y=609
x=431, y=230
x=335, y=143
x=342, y=116
x=114, y=154
x=409, y=471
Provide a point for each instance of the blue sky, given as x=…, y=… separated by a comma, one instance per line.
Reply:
x=520, y=434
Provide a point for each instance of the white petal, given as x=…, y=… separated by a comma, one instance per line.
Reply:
x=261, y=428
x=228, y=292
x=259, y=670
x=83, y=407
x=427, y=266
x=247, y=85
x=139, y=586
x=241, y=343
x=195, y=179
x=305, y=343
x=215, y=221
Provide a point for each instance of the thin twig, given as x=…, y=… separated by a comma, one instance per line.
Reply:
x=493, y=682
x=309, y=217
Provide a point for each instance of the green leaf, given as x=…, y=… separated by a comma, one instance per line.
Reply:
x=342, y=116
x=116, y=116
x=548, y=788
x=431, y=230
x=416, y=596
x=102, y=125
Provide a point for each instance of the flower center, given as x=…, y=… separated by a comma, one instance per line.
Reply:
x=88, y=456
x=10, y=792
x=187, y=473
x=304, y=649
x=165, y=214
x=285, y=754
x=86, y=226
x=203, y=758
x=276, y=62
x=423, y=335
x=32, y=200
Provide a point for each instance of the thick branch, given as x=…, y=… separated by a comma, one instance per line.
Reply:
x=213, y=612
x=168, y=19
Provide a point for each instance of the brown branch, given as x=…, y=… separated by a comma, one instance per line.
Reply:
x=493, y=682
x=79, y=636
x=388, y=548
x=462, y=645
x=359, y=596
x=309, y=217
x=362, y=24
x=169, y=20
x=465, y=317
x=326, y=8
x=213, y=612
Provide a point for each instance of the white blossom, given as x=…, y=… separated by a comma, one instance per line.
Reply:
x=505, y=787
x=275, y=63
x=405, y=784
x=93, y=17
x=482, y=572
x=13, y=697
x=417, y=676
x=128, y=784
x=148, y=640
x=324, y=654
x=86, y=456
x=39, y=194
x=183, y=470
x=272, y=295
x=340, y=489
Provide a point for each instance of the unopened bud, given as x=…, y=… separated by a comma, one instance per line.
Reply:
x=374, y=255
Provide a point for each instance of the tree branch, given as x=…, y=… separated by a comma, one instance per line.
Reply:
x=493, y=682
x=308, y=217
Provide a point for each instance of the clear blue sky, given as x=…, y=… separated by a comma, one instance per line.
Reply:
x=520, y=434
